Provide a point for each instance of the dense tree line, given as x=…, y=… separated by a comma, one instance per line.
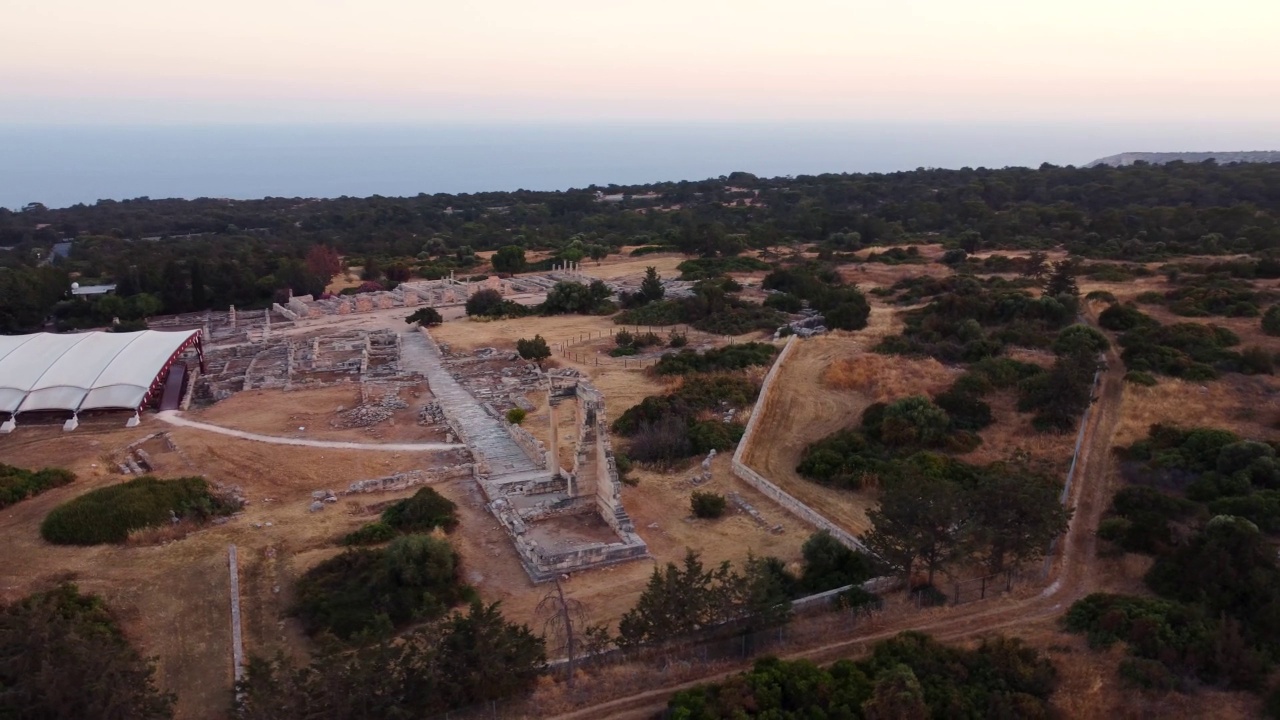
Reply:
x=909, y=677
x=212, y=253
x=64, y=657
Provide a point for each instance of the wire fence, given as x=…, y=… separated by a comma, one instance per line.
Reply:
x=596, y=358
x=978, y=588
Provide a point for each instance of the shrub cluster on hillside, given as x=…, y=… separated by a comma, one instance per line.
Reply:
x=109, y=514
x=1216, y=294
x=63, y=655
x=366, y=593
x=914, y=289
x=425, y=511
x=730, y=357
x=888, y=433
x=963, y=400
x=686, y=422
x=909, y=676
x=1190, y=351
x=1179, y=478
x=974, y=320
x=843, y=307
x=1173, y=646
x=17, y=484
x=1203, y=502
x=712, y=308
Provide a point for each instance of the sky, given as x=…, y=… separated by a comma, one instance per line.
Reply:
x=291, y=61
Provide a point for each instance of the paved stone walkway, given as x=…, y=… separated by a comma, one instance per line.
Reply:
x=484, y=434
x=174, y=417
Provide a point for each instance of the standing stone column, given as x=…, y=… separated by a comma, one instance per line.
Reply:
x=553, y=437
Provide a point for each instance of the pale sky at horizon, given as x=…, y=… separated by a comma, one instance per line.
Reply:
x=273, y=61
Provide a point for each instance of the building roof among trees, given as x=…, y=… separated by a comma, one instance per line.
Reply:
x=85, y=371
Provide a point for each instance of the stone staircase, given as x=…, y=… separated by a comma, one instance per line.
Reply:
x=484, y=434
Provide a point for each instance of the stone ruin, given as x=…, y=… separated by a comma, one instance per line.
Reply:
x=295, y=362
x=544, y=514
x=810, y=323
x=560, y=519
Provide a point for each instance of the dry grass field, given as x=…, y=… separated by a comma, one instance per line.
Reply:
x=282, y=413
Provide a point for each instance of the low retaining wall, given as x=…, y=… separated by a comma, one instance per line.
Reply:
x=405, y=480
x=533, y=448
x=759, y=482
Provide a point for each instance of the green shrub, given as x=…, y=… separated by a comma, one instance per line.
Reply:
x=365, y=593
x=707, y=505
x=828, y=564
x=371, y=534
x=516, y=415
x=1271, y=321
x=109, y=514
x=1137, y=377
x=489, y=303
x=424, y=512
x=708, y=435
x=17, y=484
x=624, y=338
x=624, y=351
x=1124, y=317
x=677, y=340
x=784, y=302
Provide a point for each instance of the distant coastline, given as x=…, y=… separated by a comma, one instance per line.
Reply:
x=65, y=165
x=1159, y=158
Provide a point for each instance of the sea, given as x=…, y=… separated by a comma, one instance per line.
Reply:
x=62, y=165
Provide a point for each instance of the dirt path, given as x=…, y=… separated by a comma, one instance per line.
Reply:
x=174, y=417
x=1072, y=570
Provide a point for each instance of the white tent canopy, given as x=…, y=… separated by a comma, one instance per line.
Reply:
x=84, y=371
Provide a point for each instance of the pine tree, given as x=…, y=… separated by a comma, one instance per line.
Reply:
x=1062, y=281
x=651, y=287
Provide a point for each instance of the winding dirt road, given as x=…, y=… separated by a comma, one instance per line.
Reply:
x=173, y=417
x=1072, y=571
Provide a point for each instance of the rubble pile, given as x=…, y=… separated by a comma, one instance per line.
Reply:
x=370, y=414
x=431, y=414
x=809, y=325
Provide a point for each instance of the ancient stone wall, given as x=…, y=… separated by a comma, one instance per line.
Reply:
x=759, y=482
x=608, y=484
x=405, y=480
x=532, y=446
